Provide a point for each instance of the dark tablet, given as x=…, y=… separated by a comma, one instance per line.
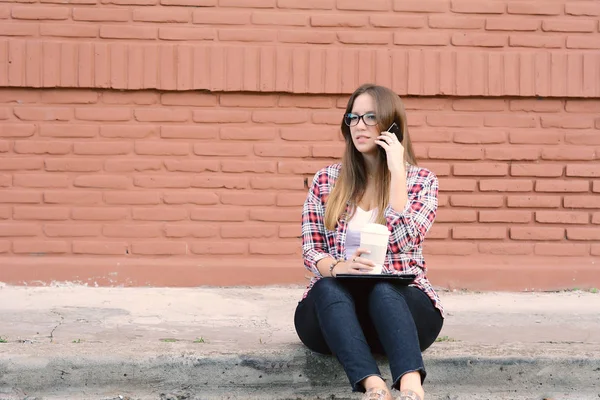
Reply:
x=402, y=279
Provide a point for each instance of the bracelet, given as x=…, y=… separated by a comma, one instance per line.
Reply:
x=332, y=266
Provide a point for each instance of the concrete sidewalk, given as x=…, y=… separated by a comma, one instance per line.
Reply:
x=206, y=343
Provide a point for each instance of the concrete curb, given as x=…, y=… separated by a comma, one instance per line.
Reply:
x=292, y=373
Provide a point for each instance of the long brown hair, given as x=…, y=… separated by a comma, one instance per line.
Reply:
x=352, y=182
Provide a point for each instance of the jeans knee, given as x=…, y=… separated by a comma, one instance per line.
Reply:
x=382, y=293
x=329, y=290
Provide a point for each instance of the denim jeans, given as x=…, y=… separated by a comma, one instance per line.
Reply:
x=354, y=320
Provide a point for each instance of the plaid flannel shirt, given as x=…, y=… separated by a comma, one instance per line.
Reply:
x=408, y=227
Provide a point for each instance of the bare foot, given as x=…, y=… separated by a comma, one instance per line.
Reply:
x=409, y=395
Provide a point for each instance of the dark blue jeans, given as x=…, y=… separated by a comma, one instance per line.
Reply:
x=354, y=320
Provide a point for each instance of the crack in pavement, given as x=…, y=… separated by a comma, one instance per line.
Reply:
x=59, y=324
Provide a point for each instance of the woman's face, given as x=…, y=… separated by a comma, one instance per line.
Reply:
x=364, y=134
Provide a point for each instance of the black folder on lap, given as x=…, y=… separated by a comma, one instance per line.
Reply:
x=405, y=279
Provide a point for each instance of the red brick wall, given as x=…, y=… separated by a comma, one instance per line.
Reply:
x=145, y=143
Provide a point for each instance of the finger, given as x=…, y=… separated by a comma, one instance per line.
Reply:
x=362, y=262
x=384, y=145
x=361, y=251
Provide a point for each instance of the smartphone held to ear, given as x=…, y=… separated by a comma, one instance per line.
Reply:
x=395, y=129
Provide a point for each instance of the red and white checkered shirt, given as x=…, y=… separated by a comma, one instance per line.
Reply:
x=408, y=227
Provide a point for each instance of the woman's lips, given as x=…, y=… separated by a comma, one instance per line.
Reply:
x=362, y=139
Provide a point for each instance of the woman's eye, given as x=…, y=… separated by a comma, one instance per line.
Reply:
x=371, y=117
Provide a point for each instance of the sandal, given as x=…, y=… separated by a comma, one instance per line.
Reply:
x=408, y=395
x=375, y=394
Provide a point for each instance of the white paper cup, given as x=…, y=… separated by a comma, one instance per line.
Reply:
x=375, y=237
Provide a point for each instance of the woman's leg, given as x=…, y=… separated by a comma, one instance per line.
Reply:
x=406, y=323
x=326, y=321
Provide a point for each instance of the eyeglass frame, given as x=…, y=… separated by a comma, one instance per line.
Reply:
x=359, y=118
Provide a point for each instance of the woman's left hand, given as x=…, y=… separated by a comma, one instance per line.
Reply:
x=394, y=151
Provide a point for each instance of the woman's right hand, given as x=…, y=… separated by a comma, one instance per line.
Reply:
x=356, y=265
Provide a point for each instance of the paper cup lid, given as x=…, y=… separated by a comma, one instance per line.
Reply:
x=376, y=228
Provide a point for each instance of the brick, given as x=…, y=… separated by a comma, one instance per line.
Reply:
x=582, y=8
x=17, y=196
x=299, y=167
x=478, y=232
x=506, y=249
x=16, y=130
x=454, y=22
x=71, y=230
x=72, y=165
x=438, y=232
x=132, y=197
x=16, y=29
x=561, y=249
x=455, y=153
x=68, y=96
x=99, y=213
x=20, y=164
x=227, y=17
x=245, y=100
x=277, y=215
x=512, y=154
x=529, y=8
x=192, y=165
x=306, y=4
x=4, y=12
x=359, y=5
x=291, y=199
x=161, y=115
x=72, y=197
x=127, y=32
x=480, y=201
x=248, y=199
x=327, y=117
x=163, y=181
x=477, y=7
x=5, y=180
x=186, y=34
x=595, y=250
x=222, y=149
x=237, y=133
x=279, y=150
x=480, y=169
x=244, y=230
x=425, y=6
x=480, y=137
x=102, y=181
x=69, y=131
x=478, y=105
x=103, y=114
x=13, y=229
x=578, y=25
x=455, y=120
x=531, y=233
x=312, y=135
x=289, y=231
x=421, y=39
x=189, y=3
x=40, y=180
x=512, y=185
x=282, y=248
x=248, y=3
x=196, y=231
x=325, y=151
x=189, y=99
x=582, y=202
x=100, y=248
x=102, y=148
x=568, y=153
x=451, y=249
x=18, y=95
x=159, y=248
x=132, y=231
x=583, y=234
x=596, y=218
x=197, y=197
x=40, y=13
x=478, y=40
x=132, y=2
x=280, y=19
x=541, y=170
x=285, y=183
x=104, y=14
x=506, y=216
x=216, y=182
x=248, y=166
x=583, y=170
x=305, y=101
x=582, y=106
x=310, y=37
x=530, y=136
x=511, y=121
x=339, y=21
x=159, y=214
x=41, y=147
x=43, y=114
x=596, y=187
x=220, y=248
x=161, y=148
x=132, y=97
x=538, y=105
x=221, y=116
x=457, y=185
x=452, y=215
x=562, y=217
x=220, y=214
x=364, y=37
x=565, y=122
x=246, y=35
x=40, y=247
x=279, y=117
x=69, y=30
x=188, y=132
x=561, y=186
x=533, y=201
x=4, y=146
x=440, y=169
x=163, y=14
x=539, y=41
x=128, y=131
x=41, y=213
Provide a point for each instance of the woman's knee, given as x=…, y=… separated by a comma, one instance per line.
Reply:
x=330, y=290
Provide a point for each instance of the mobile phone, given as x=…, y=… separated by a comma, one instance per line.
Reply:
x=395, y=129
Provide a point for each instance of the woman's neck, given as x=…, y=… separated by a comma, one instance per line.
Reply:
x=370, y=163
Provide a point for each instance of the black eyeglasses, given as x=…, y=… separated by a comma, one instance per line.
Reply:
x=369, y=119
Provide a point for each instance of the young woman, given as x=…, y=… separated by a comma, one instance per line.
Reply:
x=377, y=181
